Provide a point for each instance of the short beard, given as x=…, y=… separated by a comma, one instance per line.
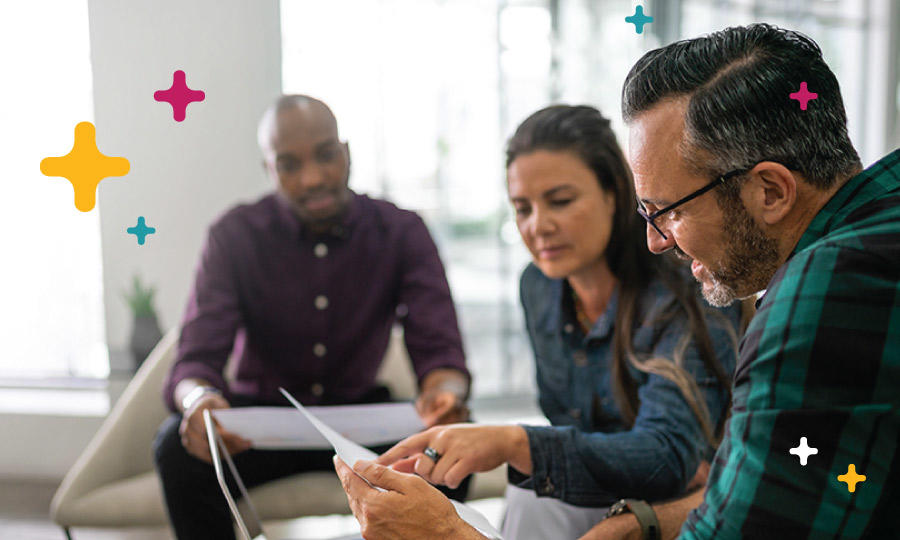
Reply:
x=751, y=258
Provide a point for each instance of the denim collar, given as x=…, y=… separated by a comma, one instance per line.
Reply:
x=562, y=312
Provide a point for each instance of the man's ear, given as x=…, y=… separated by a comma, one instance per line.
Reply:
x=347, y=151
x=269, y=170
x=770, y=193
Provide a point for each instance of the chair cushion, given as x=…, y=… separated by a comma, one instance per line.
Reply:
x=308, y=494
x=488, y=484
x=137, y=501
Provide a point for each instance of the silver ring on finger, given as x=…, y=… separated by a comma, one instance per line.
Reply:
x=433, y=454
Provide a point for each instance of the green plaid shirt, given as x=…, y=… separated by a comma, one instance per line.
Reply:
x=821, y=360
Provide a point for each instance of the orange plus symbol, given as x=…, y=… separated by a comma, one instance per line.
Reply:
x=851, y=478
x=85, y=166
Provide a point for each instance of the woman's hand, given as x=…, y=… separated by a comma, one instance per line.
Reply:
x=462, y=450
x=409, y=509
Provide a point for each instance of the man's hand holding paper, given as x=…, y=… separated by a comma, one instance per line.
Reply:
x=409, y=508
x=391, y=509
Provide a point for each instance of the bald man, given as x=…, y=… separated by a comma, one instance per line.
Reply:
x=302, y=288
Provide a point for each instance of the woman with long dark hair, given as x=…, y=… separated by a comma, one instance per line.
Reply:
x=633, y=371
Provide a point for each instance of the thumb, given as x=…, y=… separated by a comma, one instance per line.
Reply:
x=384, y=477
x=407, y=465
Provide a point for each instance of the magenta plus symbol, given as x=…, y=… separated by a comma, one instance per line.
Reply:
x=179, y=95
x=803, y=96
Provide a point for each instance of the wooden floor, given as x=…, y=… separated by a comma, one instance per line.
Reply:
x=24, y=510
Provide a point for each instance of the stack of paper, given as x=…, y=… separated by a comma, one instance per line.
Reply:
x=281, y=428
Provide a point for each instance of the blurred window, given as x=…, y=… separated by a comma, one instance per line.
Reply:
x=52, y=322
x=427, y=92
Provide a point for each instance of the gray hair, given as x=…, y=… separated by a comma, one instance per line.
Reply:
x=739, y=112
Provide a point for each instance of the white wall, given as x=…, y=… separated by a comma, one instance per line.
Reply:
x=43, y=446
x=182, y=174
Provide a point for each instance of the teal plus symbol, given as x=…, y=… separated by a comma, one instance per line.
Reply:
x=141, y=230
x=639, y=19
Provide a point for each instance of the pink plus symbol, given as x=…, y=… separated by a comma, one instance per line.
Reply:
x=803, y=96
x=179, y=95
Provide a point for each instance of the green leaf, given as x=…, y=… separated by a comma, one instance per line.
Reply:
x=140, y=298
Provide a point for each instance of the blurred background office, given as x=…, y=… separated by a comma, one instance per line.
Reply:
x=425, y=92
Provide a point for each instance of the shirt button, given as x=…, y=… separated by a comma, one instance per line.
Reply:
x=320, y=250
x=321, y=302
x=319, y=350
x=575, y=413
x=317, y=390
x=580, y=358
x=547, y=488
x=568, y=328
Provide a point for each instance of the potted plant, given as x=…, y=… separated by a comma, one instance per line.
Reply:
x=145, y=332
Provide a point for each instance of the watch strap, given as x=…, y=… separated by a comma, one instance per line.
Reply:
x=646, y=518
x=194, y=395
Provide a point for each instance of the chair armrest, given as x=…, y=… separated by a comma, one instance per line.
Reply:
x=396, y=371
x=121, y=447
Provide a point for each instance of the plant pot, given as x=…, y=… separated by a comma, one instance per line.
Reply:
x=145, y=334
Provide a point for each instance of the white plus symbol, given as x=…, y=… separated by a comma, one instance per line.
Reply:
x=803, y=451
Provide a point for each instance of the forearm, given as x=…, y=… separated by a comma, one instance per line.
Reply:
x=592, y=468
x=671, y=515
x=519, y=453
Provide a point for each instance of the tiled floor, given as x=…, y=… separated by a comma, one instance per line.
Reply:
x=44, y=530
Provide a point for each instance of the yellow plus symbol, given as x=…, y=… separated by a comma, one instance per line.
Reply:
x=851, y=478
x=85, y=166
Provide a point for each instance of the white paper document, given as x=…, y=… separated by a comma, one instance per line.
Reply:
x=350, y=453
x=281, y=428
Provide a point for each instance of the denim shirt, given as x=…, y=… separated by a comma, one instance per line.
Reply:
x=588, y=457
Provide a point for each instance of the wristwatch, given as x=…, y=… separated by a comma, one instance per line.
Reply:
x=198, y=392
x=644, y=513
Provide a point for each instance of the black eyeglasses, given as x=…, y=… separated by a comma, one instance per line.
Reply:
x=650, y=218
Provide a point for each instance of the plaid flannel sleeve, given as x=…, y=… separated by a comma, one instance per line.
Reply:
x=820, y=360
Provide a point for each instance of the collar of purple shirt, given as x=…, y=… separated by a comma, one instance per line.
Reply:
x=340, y=229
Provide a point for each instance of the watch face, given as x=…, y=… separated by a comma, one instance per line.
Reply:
x=617, y=508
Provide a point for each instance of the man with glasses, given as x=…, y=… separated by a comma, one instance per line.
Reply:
x=762, y=195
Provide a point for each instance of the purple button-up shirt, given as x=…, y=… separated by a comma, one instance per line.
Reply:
x=314, y=315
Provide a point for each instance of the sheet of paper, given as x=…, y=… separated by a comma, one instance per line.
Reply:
x=281, y=428
x=350, y=453
x=348, y=450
